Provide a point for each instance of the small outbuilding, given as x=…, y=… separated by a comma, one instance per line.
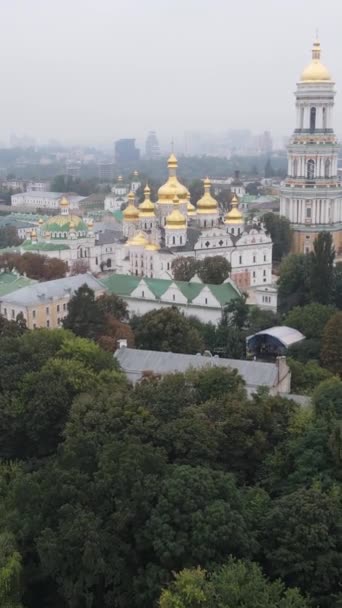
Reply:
x=273, y=342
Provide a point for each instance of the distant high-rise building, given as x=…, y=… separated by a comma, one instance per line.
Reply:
x=126, y=152
x=266, y=143
x=106, y=171
x=152, y=150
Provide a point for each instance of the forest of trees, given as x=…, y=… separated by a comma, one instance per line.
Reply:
x=108, y=490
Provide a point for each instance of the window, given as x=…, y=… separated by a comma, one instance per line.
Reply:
x=142, y=294
x=173, y=240
x=173, y=297
x=327, y=168
x=240, y=259
x=206, y=300
x=312, y=119
x=254, y=259
x=301, y=117
x=310, y=171
x=264, y=273
x=33, y=314
x=264, y=257
x=57, y=307
x=47, y=310
x=64, y=306
x=295, y=168
x=308, y=213
x=254, y=275
x=97, y=261
x=48, y=323
x=324, y=115
x=180, y=239
x=34, y=326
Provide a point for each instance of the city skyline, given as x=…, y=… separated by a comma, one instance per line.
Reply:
x=87, y=72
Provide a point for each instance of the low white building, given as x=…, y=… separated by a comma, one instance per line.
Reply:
x=43, y=200
x=206, y=302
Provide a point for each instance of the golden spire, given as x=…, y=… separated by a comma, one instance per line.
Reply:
x=315, y=71
x=176, y=220
x=131, y=213
x=172, y=161
x=146, y=208
x=207, y=204
x=234, y=216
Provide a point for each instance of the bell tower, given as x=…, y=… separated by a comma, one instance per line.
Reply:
x=311, y=196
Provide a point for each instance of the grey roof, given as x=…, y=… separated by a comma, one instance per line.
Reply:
x=108, y=237
x=51, y=290
x=286, y=335
x=134, y=362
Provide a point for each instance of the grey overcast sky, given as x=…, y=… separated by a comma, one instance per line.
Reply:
x=95, y=70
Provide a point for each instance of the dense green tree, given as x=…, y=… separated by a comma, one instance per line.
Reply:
x=306, y=376
x=331, y=353
x=184, y=268
x=322, y=269
x=305, y=350
x=280, y=231
x=113, y=305
x=237, y=583
x=214, y=269
x=12, y=329
x=9, y=237
x=294, y=282
x=327, y=399
x=338, y=285
x=10, y=572
x=303, y=543
x=84, y=317
x=236, y=312
x=310, y=319
x=196, y=190
x=167, y=330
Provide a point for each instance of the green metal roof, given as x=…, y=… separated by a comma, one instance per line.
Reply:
x=124, y=285
x=118, y=215
x=40, y=246
x=11, y=282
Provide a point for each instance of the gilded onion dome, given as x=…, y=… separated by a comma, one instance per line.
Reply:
x=172, y=187
x=234, y=216
x=61, y=224
x=191, y=209
x=315, y=71
x=207, y=204
x=131, y=213
x=40, y=222
x=176, y=220
x=139, y=239
x=152, y=247
x=146, y=208
x=64, y=202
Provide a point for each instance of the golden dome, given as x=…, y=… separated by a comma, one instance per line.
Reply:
x=138, y=239
x=64, y=202
x=172, y=187
x=191, y=209
x=40, y=222
x=315, y=71
x=131, y=213
x=207, y=204
x=135, y=173
x=175, y=220
x=120, y=178
x=234, y=216
x=146, y=208
x=33, y=234
x=72, y=226
x=152, y=247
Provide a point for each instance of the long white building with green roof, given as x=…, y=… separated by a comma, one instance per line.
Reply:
x=194, y=298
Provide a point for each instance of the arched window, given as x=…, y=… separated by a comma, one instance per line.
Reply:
x=312, y=119
x=324, y=115
x=173, y=240
x=327, y=168
x=295, y=167
x=301, y=117
x=180, y=239
x=310, y=172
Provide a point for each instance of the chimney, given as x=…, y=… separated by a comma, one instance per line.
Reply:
x=122, y=343
x=284, y=375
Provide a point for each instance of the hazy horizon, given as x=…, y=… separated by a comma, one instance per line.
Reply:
x=86, y=71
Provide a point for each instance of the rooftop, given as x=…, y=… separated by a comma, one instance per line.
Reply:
x=11, y=281
x=135, y=362
x=124, y=285
x=38, y=293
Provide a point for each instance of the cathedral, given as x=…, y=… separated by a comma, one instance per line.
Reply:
x=158, y=232
x=311, y=196
x=153, y=234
